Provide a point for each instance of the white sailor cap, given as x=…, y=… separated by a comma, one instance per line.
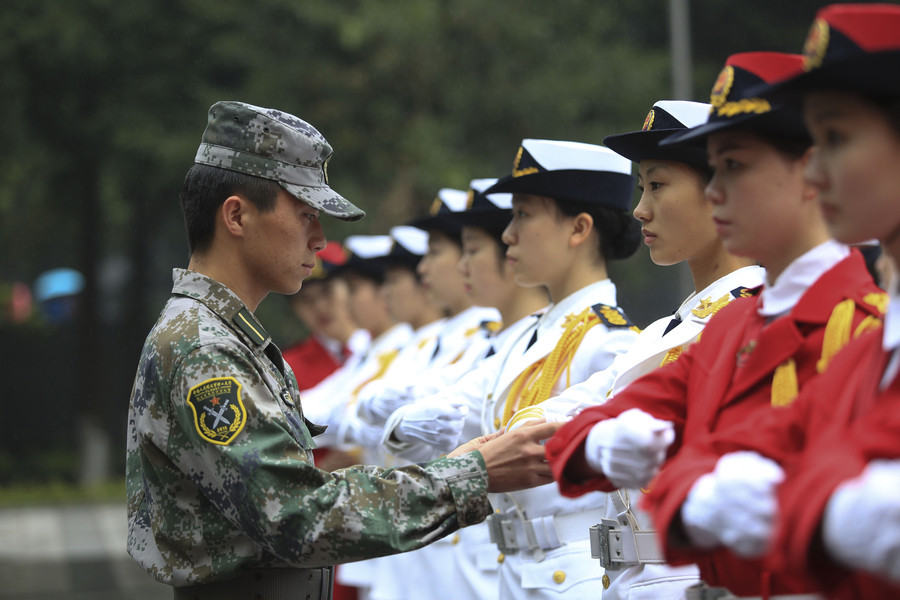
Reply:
x=447, y=202
x=664, y=118
x=569, y=171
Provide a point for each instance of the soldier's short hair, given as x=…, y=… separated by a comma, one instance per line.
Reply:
x=206, y=188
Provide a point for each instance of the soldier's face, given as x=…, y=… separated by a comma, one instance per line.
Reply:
x=854, y=167
x=759, y=198
x=440, y=275
x=281, y=243
x=538, y=239
x=676, y=218
x=486, y=281
x=404, y=295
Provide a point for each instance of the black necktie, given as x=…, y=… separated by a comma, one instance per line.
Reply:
x=675, y=322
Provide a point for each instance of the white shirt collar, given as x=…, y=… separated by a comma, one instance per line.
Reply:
x=780, y=297
x=603, y=291
x=891, y=339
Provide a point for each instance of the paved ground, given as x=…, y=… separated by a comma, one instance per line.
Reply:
x=71, y=553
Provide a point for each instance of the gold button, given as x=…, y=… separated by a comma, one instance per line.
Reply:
x=497, y=423
x=455, y=539
x=605, y=581
x=559, y=576
x=501, y=557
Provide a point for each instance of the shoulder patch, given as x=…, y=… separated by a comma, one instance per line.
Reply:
x=246, y=322
x=219, y=413
x=878, y=300
x=745, y=292
x=613, y=316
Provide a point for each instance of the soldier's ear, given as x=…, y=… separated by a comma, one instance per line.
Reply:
x=232, y=215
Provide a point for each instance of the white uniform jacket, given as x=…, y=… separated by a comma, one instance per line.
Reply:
x=660, y=343
x=656, y=347
x=560, y=564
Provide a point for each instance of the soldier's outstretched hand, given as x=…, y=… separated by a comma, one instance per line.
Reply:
x=515, y=460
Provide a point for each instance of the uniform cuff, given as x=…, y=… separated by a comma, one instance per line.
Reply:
x=467, y=479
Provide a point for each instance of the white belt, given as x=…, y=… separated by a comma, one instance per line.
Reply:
x=620, y=546
x=512, y=534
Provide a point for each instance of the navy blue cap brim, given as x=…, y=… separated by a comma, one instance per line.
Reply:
x=604, y=188
x=644, y=145
x=441, y=223
x=872, y=74
x=782, y=121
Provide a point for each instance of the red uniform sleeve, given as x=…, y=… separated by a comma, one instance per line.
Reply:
x=837, y=455
x=777, y=434
x=661, y=393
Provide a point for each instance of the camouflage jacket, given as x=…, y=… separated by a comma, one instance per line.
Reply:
x=219, y=471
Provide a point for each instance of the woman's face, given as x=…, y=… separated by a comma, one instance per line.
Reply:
x=486, y=281
x=756, y=193
x=855, y=166
x=367, y=305
x=404, y=295
x=439, y=274
x=538, y=240
x=324, y=306
x=676, y=218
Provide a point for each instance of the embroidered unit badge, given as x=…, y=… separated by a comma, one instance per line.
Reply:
x=219, y=414
x=816, y=44
x=707, y=307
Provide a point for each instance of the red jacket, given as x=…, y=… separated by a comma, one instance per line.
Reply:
x=310, y=361
x=721, y=381
x=840, y=422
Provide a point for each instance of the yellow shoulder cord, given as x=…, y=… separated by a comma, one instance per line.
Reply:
x=384, y=361
x=671, y=356
x=837, y=332
x=535, y=383
x=784, y=383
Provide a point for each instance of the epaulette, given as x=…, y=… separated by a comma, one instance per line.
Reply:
x=877, y=300
x=490, y=327
x=246, y=322
x=613, y=316
x=745, y=292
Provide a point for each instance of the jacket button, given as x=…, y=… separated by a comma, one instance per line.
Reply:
x=455, y=540
x=605, y=581
x=559, y=576
x=501, y=557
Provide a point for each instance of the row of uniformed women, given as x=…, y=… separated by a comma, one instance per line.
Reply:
x=799, y=501
x=569, y=216
x=764, y=349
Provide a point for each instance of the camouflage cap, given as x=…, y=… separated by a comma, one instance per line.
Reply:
x=275, y=145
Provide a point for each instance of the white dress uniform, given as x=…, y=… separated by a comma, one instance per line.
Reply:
x=549, y=533
x=465, y=561
x=660, y=343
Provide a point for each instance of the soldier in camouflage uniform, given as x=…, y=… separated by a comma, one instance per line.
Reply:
x=223, y=498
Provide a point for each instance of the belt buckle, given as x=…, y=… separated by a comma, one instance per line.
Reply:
x=606, y=545
x=502, y=533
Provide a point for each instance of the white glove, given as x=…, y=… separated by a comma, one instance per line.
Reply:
x=861, y=527
x=735, y=505
x=629, y=449
x=359, y=433
x=378, y=400
x=438, y=423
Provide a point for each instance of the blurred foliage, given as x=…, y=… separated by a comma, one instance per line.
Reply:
x=32, y=495
x=104, y=103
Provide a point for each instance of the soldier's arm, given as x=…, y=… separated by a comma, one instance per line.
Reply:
x=262, y=481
